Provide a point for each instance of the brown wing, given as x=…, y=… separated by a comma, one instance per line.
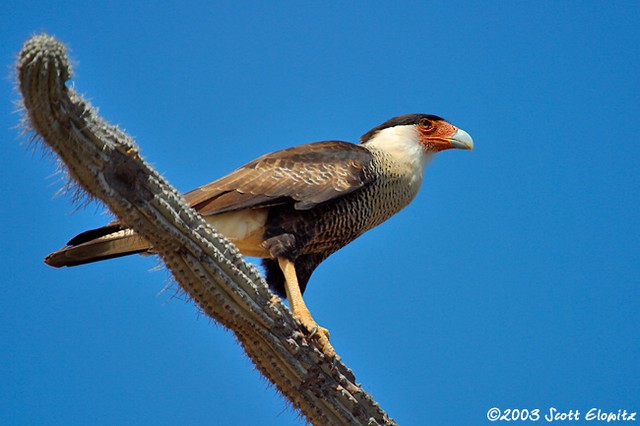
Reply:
x=305, y=175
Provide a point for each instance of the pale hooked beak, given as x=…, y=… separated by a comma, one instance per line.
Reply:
x=462, y=140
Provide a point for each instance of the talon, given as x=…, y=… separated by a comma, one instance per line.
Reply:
x=312, y=327
x=313, y=332
x=319, y=331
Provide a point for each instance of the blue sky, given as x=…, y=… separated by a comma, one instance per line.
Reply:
x=512, y=281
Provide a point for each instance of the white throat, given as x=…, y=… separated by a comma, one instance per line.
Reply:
x=403, y=144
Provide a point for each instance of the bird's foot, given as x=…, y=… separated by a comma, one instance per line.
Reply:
x=320, y=334
x=319, y=331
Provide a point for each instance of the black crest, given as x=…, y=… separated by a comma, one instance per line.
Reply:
x=401, y=120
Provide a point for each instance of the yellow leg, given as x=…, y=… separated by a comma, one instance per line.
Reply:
x=299, y=308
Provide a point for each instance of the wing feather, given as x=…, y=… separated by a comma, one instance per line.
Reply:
x=306, y=175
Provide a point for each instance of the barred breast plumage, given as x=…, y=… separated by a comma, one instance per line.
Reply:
x=309, y=236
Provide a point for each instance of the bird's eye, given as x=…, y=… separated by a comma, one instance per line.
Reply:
x=425, y=123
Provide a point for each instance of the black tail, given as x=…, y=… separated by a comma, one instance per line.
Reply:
x=98, y=244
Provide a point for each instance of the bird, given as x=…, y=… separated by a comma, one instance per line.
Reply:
x=294, y=207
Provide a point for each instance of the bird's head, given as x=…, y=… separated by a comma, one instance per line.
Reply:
x=428, y=132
